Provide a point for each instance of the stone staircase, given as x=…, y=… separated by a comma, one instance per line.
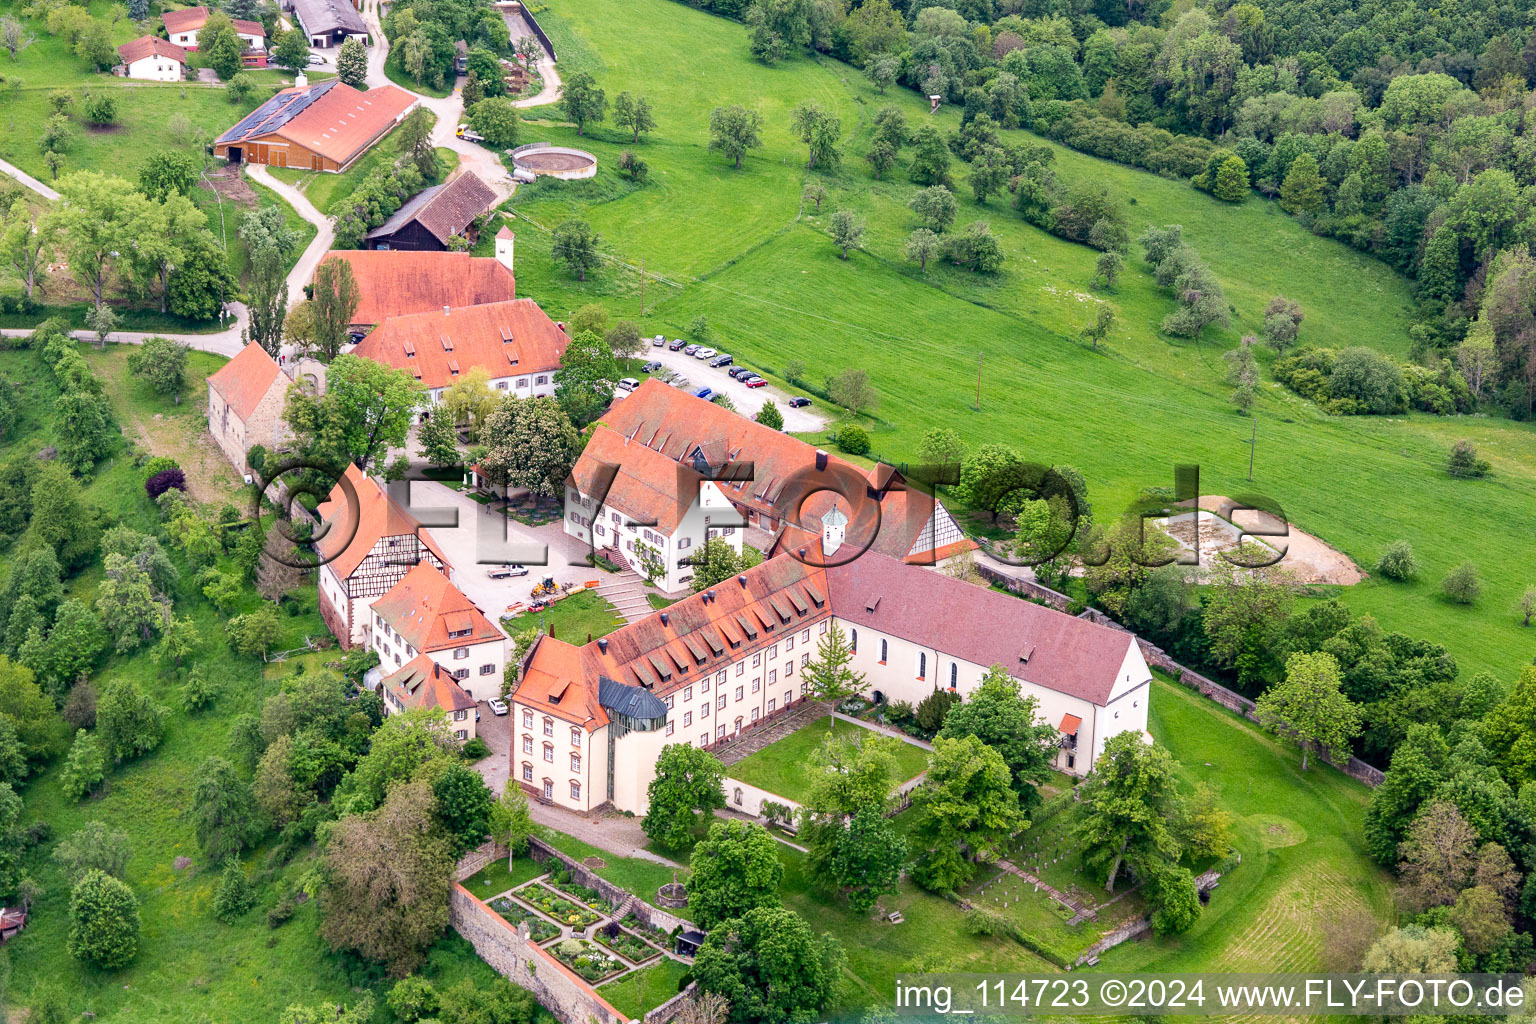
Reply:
x=626, y=592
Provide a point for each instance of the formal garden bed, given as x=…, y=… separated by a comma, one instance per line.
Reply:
x=586, y=959
x=630, y=947
x=656, y=936
x=557, y=906
x=561, y=879
x=539, y=929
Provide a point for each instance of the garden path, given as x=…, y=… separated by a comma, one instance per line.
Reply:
x=27, y=180
x=611, y=832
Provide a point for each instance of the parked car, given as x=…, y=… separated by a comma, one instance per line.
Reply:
x=680, y=382
x=704, y=393
x=497, y=705
x=740, y=373
x=677, y=343
x=799, y=402
x=628, y=384
x=691, y=349
x=659, y=340
x=651, y=367
x=315, y=60
x=724, y=359
x=505, y=572
x=755, y=381
x=706, y=353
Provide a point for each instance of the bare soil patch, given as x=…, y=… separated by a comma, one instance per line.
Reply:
x=1307, y=558
x=232, y=185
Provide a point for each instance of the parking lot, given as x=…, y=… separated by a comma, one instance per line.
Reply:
x=746, y=400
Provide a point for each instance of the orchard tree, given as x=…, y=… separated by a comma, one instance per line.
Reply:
x=1129, y=805
x=736, y=869
x=685, y=789
x=935, y=206
x=162, y=364
x=634, y=114
x=819, y=130
x=1282, y=322
x=92, y=847
x=852, y=390
x=98, y=220
x=103, y=921
x=575, y=245
x=922, y=246
x=967, y=809
x=224, y=812
x=1011, y=724
x=734, y=130
x=26, y=236
x=583, y=101
x=1309, y=706
x=847, y=231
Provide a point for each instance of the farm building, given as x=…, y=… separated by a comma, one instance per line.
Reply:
x=391, y=283
x=320, y=127
x=515, y=342
x=432, y=217
x=329, y=22
x=245, y=404
x=183, y=27
x=153, y=60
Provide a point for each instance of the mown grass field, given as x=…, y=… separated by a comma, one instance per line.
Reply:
x=736, y=247
x=780, y=767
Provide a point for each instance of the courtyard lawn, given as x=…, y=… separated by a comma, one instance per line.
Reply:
x=736, y=247
x=640, y=991
x=571, y=618
x=780, y=767
x=496, y=877
x=639, y=876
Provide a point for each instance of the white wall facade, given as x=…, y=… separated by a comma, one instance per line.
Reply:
x=155, y=68
x=476, y=667
x=559, y=761
x=711, y=515
x=461, y=722
x=535, y=384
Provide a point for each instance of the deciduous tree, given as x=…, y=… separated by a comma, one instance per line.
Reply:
x=1129, y=805
x=1006, y=720
x=736, y=869
x=582, y=100
x=769, y=967
x=103, y=921
x=1309, y=706
x=967, y=808
x=686, y=787
x=634, y=114
x=734, y=130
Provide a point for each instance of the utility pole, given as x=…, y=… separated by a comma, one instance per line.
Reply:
x=1252, y=443
x=978, y=382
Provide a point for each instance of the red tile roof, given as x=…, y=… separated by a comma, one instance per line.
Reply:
x=245, y=380
x=146, y=46
x=507, y=339
x=421, y=682
x=188, y=19
x=394, y=283
x=646, y=485
x=1031, y=642
x=682, y=427
x=431, y=614
x=555, y=683
x=329, y=118
x=343, y=547
x=1069, y=725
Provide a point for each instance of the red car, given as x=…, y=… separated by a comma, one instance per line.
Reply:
x=755, y=382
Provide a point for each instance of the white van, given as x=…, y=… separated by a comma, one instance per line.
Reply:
x=628, y=384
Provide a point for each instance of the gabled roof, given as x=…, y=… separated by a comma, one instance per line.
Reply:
x=329, y=16
x=422, y=683
x=554, y=683
x=1031, y=642
x=329, y=118
x=444, y=210
x=507, y=339
x=343, y=545
x=245, y=380
x=191, y=19
x=646, y=485
x=391, y=282
x=432, y=614
x=148, y=46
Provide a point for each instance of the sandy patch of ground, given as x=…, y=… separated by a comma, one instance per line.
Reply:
x=1304, y=556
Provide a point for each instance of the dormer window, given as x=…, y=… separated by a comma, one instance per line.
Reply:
x=447, y=343
x=506, y=335
x=410, y=350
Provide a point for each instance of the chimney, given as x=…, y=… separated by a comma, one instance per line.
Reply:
x=602, y=644
x=504, y=242
x=551, y=629
x=665, y=618
x=821, y=459
x=802, y=554
x=445, y=311
x=709, y=595
x=742, y=579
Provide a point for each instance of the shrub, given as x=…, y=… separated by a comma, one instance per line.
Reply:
x=1461, y=584
x=852, y=439
x=104, y=921
x=164, y=481
x=930, y=714
x=159, y=464
x=1463, y=462
x=1397, y=561
x=475, y=749
x=1367, y=377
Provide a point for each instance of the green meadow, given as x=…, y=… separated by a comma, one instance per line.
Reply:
x=699, y=238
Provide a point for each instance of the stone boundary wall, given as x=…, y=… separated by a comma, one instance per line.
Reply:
x=1140, y=926
x=664, y=1013
x=538, y=31
x=557, y=988
x=541, y=851
x=478, y=858
x=752, y=797
x=1159, y=658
